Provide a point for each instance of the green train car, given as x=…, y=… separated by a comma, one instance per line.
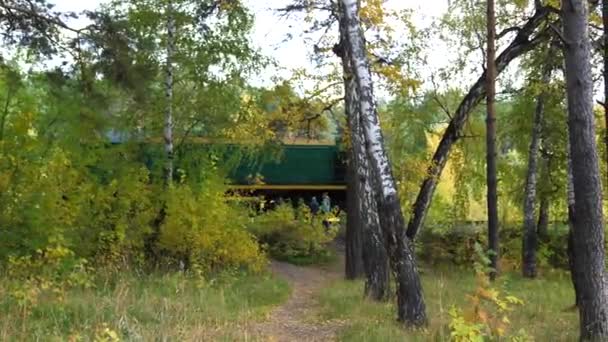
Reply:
x=302, y=170
x=296, y=169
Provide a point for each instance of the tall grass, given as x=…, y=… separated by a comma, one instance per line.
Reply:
x=147, y=308
x=543, y=316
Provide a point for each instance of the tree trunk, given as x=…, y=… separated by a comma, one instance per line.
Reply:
x=519, y=46
x=574, y=276
x=587, y=218
x=542, y=227
x=410, y=302
x=373, y=251
x=7, y=103
x=492, y=181
x=530, y=237
x=605, y=22
x=353, y=263
x=168, y=129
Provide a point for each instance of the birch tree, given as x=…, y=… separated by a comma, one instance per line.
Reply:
x=362, y=197
x=411, y=307
x=168, y=128
x=530, y=234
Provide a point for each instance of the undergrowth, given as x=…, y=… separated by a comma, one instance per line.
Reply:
x=294, y=235
x=174, y=306
x=544, y=315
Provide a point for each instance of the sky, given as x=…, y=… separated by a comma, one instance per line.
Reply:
x=270, y=29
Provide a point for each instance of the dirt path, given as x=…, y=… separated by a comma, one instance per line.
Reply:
x=292, y=321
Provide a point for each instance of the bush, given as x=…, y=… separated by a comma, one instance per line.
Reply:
x=294, y=234
x=103, y=207
x=203, y=228
x=456, y=244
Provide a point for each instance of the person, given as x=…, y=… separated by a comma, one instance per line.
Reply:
x=326, y=204
x=314, y=205
x=326, y=209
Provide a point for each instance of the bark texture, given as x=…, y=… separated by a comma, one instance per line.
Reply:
x=410, y=302
x=367, y=222
x=542, y=227
x=605, y=57
x=168, y=127
x=530, y=235
x=353, y=265
x=587, y=219
x=491, y=179
x=525, y=41
x=574, y=271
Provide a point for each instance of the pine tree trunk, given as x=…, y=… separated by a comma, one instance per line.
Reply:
x=530, y=237
x=373, y=251
x=521, y=44
x=587, y=218
x=605, y=57
x=492, y=182
x=410, y=302
x=168, y=128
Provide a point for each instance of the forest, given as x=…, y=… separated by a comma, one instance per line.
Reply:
x=476, y=159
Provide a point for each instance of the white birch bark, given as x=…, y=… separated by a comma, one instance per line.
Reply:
x=410, y=302
x=168, y=127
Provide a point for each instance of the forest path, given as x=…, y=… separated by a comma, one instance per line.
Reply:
x=294, y=320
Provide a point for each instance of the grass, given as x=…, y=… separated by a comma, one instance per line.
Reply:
x=146, y=308
x=324, y=256
x=542, y=316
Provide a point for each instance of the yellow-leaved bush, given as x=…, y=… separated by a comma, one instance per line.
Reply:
x=487, y=315
x=201, y=227
x=294, y=234
x=97, y=203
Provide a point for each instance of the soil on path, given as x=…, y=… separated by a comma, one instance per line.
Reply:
x=293, y=320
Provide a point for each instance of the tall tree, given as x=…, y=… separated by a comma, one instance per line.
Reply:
x=574, y=270
x=530, y=234
x=492, y=181
x=411, y=307
x=587, y=218
x=364, y=233
x=168, y=128
x=528, y=36
x=605, y=57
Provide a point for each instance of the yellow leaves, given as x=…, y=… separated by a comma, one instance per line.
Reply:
x=396, y=80
x=105, y=334
x=203, y=226
x=372, y=12
x=486, y=316
x=521, y=4
x=46, y=274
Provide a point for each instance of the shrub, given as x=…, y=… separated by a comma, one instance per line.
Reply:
x=486, y=317
x=202, y=227
x=456, y=244
x=294, y=234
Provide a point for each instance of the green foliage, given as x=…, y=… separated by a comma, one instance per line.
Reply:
x=294, y=234
x=49, y=273
x=99, y=203
x=456, y=244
